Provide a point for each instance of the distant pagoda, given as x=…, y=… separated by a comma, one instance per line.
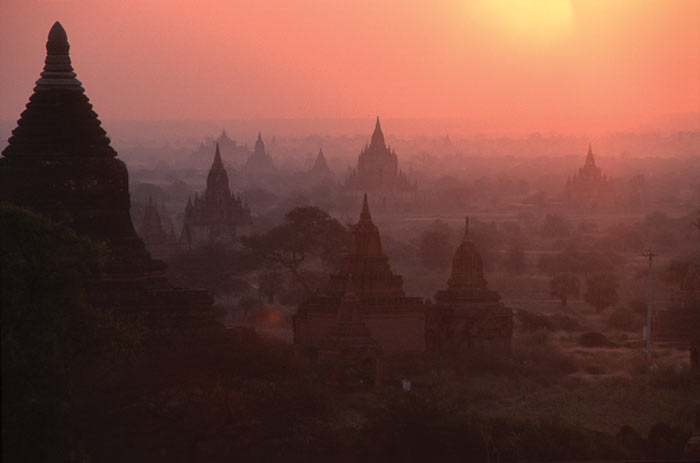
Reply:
x=589, y=188
x=230, y=150
x=260, y=162
x=219, y=216
x=467, y=315
x=378, y=168
x=395, y=321
x=320, y=169
x=59, y=163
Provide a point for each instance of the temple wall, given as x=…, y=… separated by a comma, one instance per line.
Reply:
x=394, y=332
x=398, y=332
x=310, y=330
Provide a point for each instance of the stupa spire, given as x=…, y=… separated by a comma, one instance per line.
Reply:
x=465, y=238
x=590, y=160
x=365, y=216
x=217, y=158
x=59, y=117
x=378, y=135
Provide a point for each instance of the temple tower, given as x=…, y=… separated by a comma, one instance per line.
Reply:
x=589, y=188
x=260, y=162
x=378, y=168
x=467, y=315
x=220, y=216
x=395, y=321
x=59, y=163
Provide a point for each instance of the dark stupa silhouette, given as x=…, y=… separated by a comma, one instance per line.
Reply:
x=59, y=162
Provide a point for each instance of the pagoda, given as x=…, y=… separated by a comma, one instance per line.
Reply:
x=219, y=216
x=59, y=163
x=260, y=162
x=589, y=188
x=378, y=168
x=395, y=321
x=230, y=150
x=320, y=169
x=467, y=315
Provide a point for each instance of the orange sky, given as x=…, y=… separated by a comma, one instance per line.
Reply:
x=511, y=64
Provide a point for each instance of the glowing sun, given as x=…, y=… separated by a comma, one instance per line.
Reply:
x=531, y=19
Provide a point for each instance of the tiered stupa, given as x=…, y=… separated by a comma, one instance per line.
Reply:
x=260, y=162
x=467, y=315
x=396, y=322
x=59, y=162
x=378, y=168
x=220, y=216
x=589, y=188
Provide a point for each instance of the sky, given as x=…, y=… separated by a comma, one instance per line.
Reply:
x=540, y=65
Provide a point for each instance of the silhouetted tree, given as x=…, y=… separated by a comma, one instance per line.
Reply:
x=601, y=290
x=51, y=338
x=306, y=234
x=563, y=286
x=270, y=284
x=211, y=266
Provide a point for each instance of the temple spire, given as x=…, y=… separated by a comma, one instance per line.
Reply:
x=217, y=158
x=378, y=135
x=466, y=229
x=365, y=216
x=590, y=160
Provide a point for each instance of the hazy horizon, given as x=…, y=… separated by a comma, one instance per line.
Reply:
x=560, y=66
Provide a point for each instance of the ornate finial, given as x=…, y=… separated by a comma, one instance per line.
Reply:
x=377, y=136
x=365, y=215
x=58, y=33
x=58, y=71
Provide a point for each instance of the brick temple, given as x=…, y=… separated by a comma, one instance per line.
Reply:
x=589, y=188
x=218, y=216
x=378, y=168
x=467, y=315
x=395, y=321
x=59, y=163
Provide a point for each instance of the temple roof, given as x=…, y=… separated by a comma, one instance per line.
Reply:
x=320, y=165
x=365, y=215
x=377, y=136
x=259, y=145
x=217, y=180
x=58, y=119
x=366, y=263
x=590, y=160
x=467, y=267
